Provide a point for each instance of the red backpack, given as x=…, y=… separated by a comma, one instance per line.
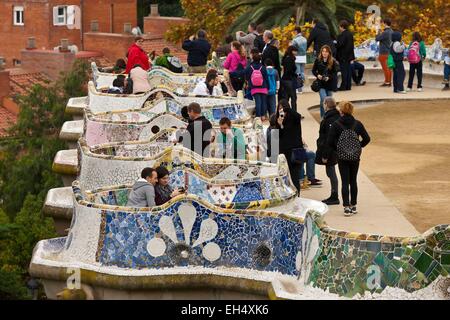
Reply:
x=256, y=78
x=414, y=53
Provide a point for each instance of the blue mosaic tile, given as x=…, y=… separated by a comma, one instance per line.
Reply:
x=250, y=191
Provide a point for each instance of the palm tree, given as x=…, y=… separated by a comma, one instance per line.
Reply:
x=279, y=12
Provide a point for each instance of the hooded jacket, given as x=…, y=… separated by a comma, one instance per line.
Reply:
x=137, y=56
x=142, y=195
x=397, y=47
x=320, y=36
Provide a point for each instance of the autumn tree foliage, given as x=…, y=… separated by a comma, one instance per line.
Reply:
x=206, y=15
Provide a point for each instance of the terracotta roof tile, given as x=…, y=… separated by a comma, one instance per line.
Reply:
x=21, y=81
x=7, y=119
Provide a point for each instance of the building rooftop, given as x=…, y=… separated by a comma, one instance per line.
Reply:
x=7, y=119
x=21, y=81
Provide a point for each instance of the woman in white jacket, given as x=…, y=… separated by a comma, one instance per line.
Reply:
x=212, y=85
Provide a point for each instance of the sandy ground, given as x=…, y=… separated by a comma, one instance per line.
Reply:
x=409, y=157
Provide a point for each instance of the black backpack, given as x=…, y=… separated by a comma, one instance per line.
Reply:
x=348, y=145
x=175, y=64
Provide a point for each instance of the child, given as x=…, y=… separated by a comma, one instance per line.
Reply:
x=274, y=84
x=397, y=51
x=416, y=54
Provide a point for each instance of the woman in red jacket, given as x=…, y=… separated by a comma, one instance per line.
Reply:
x=137, y=55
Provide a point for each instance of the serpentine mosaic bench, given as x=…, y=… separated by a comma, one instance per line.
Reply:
x=147, y=247
x=142, y=125
x=252, y=193
x=182, y=83
x=102, y=102
x=97, y=170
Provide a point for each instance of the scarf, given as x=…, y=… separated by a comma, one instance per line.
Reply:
x=164, y=192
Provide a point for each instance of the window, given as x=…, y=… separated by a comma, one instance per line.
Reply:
x=18, y=16
x=60, y=16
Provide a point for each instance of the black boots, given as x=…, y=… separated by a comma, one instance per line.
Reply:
x=332, y=200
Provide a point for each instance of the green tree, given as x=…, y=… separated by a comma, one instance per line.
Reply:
x=278, y=12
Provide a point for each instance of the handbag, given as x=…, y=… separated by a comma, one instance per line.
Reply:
x=315, y=86
x=298, y=83
x=299, y=156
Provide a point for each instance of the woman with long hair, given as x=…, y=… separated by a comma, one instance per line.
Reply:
x=416, y=54
x=236, y=60
x=347, y=137
x=288, y=84
x=325, y=70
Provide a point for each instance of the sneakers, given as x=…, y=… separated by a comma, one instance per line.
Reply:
x=402, y=92
x=348, y=212
x=420, y=89
x=385, y=85
x=408, y=89
x=332, y=200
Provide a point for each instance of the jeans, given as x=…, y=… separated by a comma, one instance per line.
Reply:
x=301, y=70
x=446, y=72
x=310, y=166
x=349, y=174
x=346, y=73
x=399, y=76
x=272, y=103
x=357, y=71
x=331, y=174
x=294, y=170
x=412, y=72
x=387, y=72
x=288, y=91
x=323, y=94
x=260, y=104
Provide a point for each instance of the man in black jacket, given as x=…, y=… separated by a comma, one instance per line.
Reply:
x=198, y=51
x=345, y=55
x=259, y=41
x=270, y=51
x=290, y=137
x=320, y=36
x=198, y=132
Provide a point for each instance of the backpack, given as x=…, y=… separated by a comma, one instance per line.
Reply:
x=175, y=64
x=271, y=76
x=256, y=78
x=348, y=145
x=414, y=53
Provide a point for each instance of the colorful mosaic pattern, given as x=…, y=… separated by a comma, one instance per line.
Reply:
x=349, y=263
x=189, y=234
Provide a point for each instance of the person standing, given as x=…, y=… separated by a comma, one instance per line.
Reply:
x=225, y=49
x=290, y=137
x=416, y=55
x=321, y=36
x=259, y=41
x=288, y=84
x=300, y=43
x=273, y=85
x=256, y=76
x=446, y=81
x=137, y=55
x=397, y=52
x=385, y=39
x=248, y=39
x=270, y=51
x=325, y=155
x=236, y=60
x=198, y=51
x=325, y=70
x=347, y=137
x=345, y=53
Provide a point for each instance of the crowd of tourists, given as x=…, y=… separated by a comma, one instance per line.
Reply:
x=253, y=63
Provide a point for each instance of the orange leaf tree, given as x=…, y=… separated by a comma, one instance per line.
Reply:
x=202, y=14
